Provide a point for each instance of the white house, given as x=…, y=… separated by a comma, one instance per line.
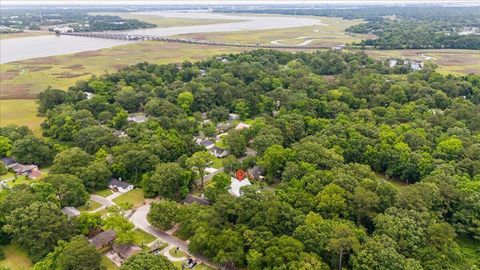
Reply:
x=88, y=95
x=218, y=152
x=236, y=185
x=119, y=185
x=241, y=126
x=233, y=116
x=137, y=117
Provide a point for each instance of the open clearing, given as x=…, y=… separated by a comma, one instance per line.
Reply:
x=457, y=62
x=20, y=112
x=15, y=258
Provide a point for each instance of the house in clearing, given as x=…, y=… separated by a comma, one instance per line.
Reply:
x=207, y=144
x=219, y=152
x=137, y=117
x=31, y=170
x=241, y=126
x=194, y=199
x=256, y=173
x=236, y=185
x=126, y=251
x=103, y=239
x=119, y=185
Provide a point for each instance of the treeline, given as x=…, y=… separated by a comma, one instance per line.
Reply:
x=79, y=19
x=328, y=127
x=410, y=27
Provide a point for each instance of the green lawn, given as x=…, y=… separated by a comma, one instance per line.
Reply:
x=177, y=254
x=92, y=205
x=15, y=258
x=198, y=267
x=142, y=238
x=7, y=176
x=108, y=263
x=20, y=112
x=104, y=192
x=135, y=197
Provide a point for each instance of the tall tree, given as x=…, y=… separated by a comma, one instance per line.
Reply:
x=199, y=161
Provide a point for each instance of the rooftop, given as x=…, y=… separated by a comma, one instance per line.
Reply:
x=118, y=183
x=103, y=239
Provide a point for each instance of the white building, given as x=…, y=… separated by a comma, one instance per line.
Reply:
x=236, y=185
x=119, y=185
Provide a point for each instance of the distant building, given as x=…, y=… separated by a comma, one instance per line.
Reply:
x=137, y=118
x=233, y=116
x=88, y=95
x=392, y=62
x=236, y=185
x=256, y=173
x=241, y=126
x=120, y=134
x=119, y=185
x=219, y=152
x=103, y=239
x=207, y=144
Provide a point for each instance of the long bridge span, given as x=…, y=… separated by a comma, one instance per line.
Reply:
x=139, y=37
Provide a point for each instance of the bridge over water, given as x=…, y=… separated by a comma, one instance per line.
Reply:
x=139, y=37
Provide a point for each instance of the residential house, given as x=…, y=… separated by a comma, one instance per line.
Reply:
x=241, y=126
x=219, y=152
x=9, y=162
x=24, y=169
x=119, y=185
x=233, y=116
x=120, y=134
x=88, y=95
x=194, y=199
x=256, y=173
x=103, y=239
x=392, y=62
x=137, y=117
x=126, y=251
x=207, y=144
x=236, y=185
x=222, y=127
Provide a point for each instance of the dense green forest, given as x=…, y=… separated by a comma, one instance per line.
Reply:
x=330, y=128
x=403, y=27
x=80, y=20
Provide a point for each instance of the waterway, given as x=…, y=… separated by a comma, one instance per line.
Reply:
x=15, y=49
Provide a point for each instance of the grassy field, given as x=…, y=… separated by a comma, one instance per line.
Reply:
x=330, y=31
x=108, y=263
x=163, y=21
x=15, y=258
x=457, y=62
x=24, y=34
x=92, y=205
x=104, y=192
x=142, y=238
x=176, y=253
x=134, y=197
x=25, y=79
x=20, y=112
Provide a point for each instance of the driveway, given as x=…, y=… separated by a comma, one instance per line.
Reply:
x=139, y=219
x=101, y=200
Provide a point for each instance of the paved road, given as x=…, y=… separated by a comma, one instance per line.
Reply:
x=101, y=200
x=139, y=219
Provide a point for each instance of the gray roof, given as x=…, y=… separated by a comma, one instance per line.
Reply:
x=194, y=199
x=8, y=161
x=126, y=251
x=103, y=239
x=117, y=183
x=206, y=143
x=256, y=171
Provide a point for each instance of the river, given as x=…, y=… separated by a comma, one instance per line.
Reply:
x=15, y=49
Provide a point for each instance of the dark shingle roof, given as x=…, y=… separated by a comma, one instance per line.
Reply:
x=194, y=199
x=103, y=239
x=117, y=183
x=8, y=161
x=126, y=251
